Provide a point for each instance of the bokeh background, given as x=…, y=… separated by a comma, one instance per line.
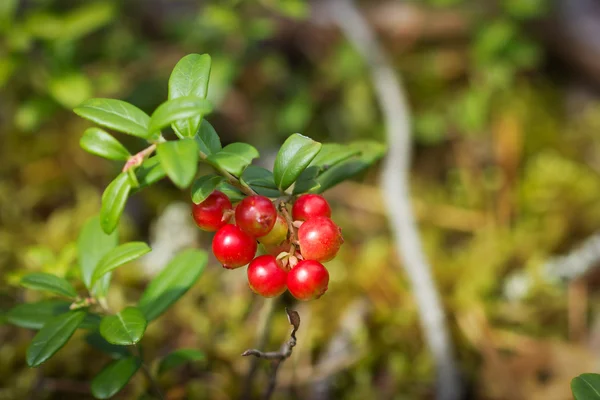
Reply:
x=505, y=183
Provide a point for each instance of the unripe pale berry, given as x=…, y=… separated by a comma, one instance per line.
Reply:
x=266, y=277
x=320, y=239
x=256, y=215
x=309, y=206
x=278, y=234
x=210, y=214
x=308, y=280
x=233, y=247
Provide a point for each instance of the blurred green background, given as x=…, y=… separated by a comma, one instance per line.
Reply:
x=505, y=179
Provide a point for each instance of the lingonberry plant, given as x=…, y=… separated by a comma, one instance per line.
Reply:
x=280, y=209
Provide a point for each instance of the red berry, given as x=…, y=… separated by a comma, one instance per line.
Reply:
x=278, y=234
x=320, y=239
x=209, y=215
x=256, y=215
x=309, y=206
x=308, y=280
x=265, y=277
x=233, y=247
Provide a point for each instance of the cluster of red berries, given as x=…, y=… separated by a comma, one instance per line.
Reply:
x=295, y=247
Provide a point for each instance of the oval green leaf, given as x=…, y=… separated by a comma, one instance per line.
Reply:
x=231, y=191
x=124, y=328
x=207, y=139
x=190, y=76
x=49, y=283
x=113, y=202
x=204, y=186
x=172, y=282
x=53, y=336
x=116, y=114
x=261, y=181
x=180, y=160
x=92, y=244
x=118, y=256
x=114, y=377
x=179, y=357
x=179, y=109
x=295, y=155
x=233, y=158
x=35, y=315
x=149, y=172
x=586, y=387
x=99, y=142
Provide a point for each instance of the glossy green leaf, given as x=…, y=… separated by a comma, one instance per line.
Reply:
x=53, y=336
x=96, y=340
x=149, y=172
x=189, y=78
x=332, y=154
x=116, y=114
x=261, y=181
x=172, y=282
x=118, y=256
x=113, y=202
x=293, y=157
x=93, y=243
x=49, y=283
x=307, y=181
x=207, y=139
x=35, y=315
x=99, y=142
x=124, y=328
x=179, y=109
x=114, y=377
x=179, y=159
x=204, y=186
x=586, y=387
x=231, y=191
x=179, y=357
x=233, y=158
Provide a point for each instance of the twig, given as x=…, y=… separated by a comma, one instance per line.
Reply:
x=395, y=183
x=230, y=178
x=137, y=159
x=262, y=333
x=278, y=356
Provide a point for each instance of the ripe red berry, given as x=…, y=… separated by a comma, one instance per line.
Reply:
x=233, y=247
x=309, y=206
x=209, y=215
x=265, y=277
x=320, y=239
x=278, y=234
x=308, y=280
x=255, y=215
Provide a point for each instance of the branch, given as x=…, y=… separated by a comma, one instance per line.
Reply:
x=278, y=356
x=395, y=184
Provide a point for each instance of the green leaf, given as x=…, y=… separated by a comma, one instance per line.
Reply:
x=116, y=114
x=96, y=340
x=586, y=387
x=179, y=109
x=180, y=160
x=124, y=328
x=189, y=78
x=172, y=282
x=35, y=315
x=150, y=172
x=332, y=154
x=92, y=245
x=231, y=191
x=99, y=142
x=295, y=155
x=113, y=202
x=179, y=357
x=204, y=186
x=307, y=181
x=207, y=139
x=53, y=336
x=261, y=181
x=118, y=256
x=114, y=377
x=49, y=283
x=233, y=158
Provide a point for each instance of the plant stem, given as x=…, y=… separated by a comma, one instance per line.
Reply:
x=230, y=178
x=148, y=374
x=293, y=237
x=137, y=159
